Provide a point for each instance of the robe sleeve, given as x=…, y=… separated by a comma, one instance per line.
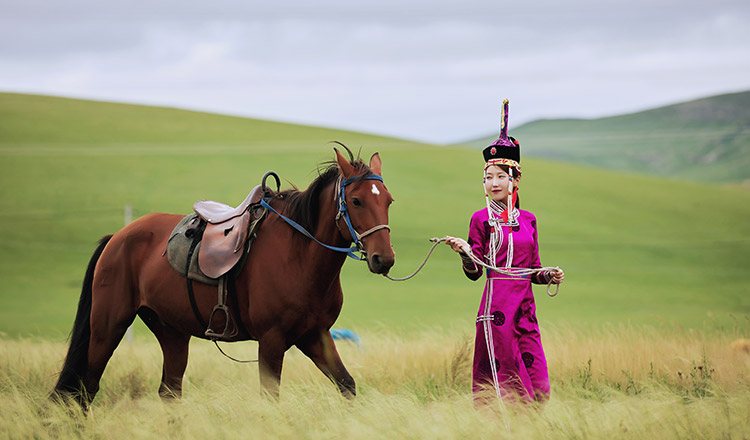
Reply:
x=477, y=239
x=535, y=261
x=539, y=277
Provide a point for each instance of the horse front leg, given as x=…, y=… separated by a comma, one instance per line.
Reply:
x=320, y=348
x=271, y=349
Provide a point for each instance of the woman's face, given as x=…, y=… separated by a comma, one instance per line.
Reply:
x=496, y=183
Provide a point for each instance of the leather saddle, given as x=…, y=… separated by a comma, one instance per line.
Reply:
x=226, y=232
x=207, y=245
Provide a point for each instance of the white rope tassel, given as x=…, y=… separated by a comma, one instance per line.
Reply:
x=489, y=339
x=496, y=241
x=509, y=207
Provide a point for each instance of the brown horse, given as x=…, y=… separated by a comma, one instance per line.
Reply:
x=288, y=293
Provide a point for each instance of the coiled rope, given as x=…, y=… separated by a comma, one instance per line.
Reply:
x=510, y=272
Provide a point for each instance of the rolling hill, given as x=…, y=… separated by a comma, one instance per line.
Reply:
x=35, y=121
x=703, y=140
x=636, y=249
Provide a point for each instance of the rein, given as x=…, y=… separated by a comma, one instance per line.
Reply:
x=341, y=185
x=512, y=273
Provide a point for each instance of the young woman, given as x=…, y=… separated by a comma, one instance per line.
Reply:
x=508, y=354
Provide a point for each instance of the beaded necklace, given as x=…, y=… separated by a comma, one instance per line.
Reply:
x=499, y=216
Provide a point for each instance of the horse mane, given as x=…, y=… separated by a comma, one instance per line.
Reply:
x=303, y=206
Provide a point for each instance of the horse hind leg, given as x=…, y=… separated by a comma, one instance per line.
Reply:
x=174, y=347
x=106, y=334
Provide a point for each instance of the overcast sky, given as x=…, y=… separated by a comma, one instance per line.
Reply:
x=432, y=70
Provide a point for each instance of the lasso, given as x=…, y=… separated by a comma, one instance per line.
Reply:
x=512, y=273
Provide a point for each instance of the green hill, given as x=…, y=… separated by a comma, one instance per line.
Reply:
x=635, y=249
x=702, y=140
x=37, y=121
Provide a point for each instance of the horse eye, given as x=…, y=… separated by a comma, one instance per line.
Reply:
x=356, y=202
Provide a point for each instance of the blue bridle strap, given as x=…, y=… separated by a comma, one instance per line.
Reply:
x=343, y=211
x=350, y=251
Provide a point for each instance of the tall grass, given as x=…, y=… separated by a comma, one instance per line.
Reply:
x=618, y=382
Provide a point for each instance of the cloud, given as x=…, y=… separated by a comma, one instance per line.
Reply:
x=431, y=70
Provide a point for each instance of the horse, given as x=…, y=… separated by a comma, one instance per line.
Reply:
x=288, y=293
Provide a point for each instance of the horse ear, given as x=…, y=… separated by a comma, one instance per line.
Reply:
x=376, y=164
x=346, y=168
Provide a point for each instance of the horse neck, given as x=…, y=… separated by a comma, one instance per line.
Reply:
x=327, y=230
x=323, y=264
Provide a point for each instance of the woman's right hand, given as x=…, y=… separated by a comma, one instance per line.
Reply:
x=458, y=245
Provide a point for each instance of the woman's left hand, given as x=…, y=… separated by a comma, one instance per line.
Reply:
x=558, y=276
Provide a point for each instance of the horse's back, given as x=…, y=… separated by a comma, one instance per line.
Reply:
x=136, y=252
x=147, y=231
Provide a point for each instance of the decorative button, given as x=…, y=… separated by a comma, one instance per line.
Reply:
x=528, y=359
x=498, y=318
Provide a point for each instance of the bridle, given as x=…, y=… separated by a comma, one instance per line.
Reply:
x=343, y=211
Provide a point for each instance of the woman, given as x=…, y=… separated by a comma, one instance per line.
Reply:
x=508, y=354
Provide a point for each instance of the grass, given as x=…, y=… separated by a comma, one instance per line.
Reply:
x=635, y=249
x=639, y=341
x=48, y=122
x=619, y=382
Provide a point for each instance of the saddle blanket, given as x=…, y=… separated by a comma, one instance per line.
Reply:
x=188, y=233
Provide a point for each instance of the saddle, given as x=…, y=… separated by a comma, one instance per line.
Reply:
x=226, y=232
x=212, y=243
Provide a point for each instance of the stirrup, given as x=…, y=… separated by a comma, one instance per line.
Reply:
x=226, y=333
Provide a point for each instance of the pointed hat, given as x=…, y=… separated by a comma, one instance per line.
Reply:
x=505, y=150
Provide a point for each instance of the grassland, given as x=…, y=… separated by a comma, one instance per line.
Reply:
x=621, y=382
x=638, y=340
x=635, y=249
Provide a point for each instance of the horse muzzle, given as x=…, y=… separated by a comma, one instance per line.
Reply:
x=380, y=263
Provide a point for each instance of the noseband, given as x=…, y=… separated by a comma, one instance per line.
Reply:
x=341, y=185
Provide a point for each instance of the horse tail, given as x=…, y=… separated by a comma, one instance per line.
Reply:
x=74, y=368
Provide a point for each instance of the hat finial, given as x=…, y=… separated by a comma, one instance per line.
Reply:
x=505, y=149
x=504, y=120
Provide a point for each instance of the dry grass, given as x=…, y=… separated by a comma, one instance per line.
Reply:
x=616, y=382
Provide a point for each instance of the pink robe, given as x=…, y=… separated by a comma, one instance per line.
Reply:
x=520, y=360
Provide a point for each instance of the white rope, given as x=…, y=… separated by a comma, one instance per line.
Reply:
x=436, y=242
x=512, y=273
x=488, y=338
x=371, y=230
x=494, y=212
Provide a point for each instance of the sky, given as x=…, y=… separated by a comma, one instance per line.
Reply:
x=428, y=70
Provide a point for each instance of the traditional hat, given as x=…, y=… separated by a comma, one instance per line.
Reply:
x=505, y=150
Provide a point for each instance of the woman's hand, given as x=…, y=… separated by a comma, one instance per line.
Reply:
x=558, y=276
x=458, y=245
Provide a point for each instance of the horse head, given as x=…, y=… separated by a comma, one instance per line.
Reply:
x=363, y=203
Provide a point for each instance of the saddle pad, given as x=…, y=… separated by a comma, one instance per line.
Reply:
x=178, y=248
